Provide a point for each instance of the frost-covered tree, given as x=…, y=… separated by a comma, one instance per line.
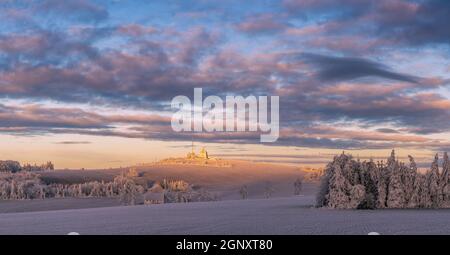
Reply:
x=349, y=183
x=338, y=195
x=324, y=186
x=409, y=179
x=445, y=180
x=425, y=197
x=369, y=181
x=415, y=198
x=412, y=184
x=396, y=190
x=127, y=189
x=9, y=166
x=382, y=182
x=357, y=196
x=391, y=162
x=433, y=183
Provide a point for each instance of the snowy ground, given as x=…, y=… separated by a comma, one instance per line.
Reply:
x=225, y=183
x=13, y=206
x=292, y=215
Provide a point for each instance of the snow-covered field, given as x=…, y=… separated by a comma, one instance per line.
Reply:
x=13, y=206
x=291, y=215
x=281, y=214
x=225, y=183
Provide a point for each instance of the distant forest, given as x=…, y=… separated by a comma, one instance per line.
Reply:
x=11, y=166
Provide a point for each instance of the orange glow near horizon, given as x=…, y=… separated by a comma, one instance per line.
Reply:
x=97, y=152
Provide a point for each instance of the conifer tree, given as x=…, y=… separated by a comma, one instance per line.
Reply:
x=433, y=183
x=324, y=186
x=338, y=193
x=425, y=195
x=349, y=184
x=391, y=162
x=382, y=186
x=396, y=192
x=414, y=200
x=445, y=180
x=369, y=179
x=409, y=179
x=357, y=196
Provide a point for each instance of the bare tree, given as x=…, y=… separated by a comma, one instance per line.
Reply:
x=268, y=190
x=298, y=186
x=243, y=192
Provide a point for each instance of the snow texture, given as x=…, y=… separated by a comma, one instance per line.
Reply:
x=293, y=215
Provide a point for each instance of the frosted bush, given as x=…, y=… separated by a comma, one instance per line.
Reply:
x=175, y=185
x=179, y=191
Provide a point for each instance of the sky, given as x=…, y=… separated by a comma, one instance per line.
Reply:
x=89, y=83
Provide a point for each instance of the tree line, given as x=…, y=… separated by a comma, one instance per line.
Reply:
x=28, y=185
x=350, y=184
x=11, y=166
x=25, y=185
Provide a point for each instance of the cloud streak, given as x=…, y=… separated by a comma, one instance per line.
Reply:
x=348, y=68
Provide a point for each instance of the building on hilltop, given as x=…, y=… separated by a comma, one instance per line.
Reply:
x=202, y=155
